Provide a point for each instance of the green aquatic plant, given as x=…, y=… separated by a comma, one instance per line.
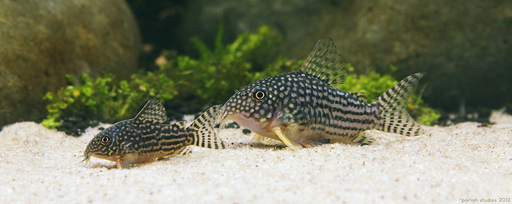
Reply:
x=218, y=72
x=104, y=97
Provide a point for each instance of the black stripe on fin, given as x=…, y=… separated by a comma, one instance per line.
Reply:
x=325, y=63
x=362, y=138
x=153, y=110
x=392, y=105
x=205, y=133
x=185, y=151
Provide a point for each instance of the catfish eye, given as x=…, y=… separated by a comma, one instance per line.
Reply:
x=105, y=139
x=258, y=94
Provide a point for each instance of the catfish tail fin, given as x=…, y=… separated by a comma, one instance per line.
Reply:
x=204, y=126
x=392, y=105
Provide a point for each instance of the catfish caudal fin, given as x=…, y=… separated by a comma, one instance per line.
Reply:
x=204, y=125
x=392, y=104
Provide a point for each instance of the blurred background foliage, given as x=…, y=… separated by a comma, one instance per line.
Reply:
x=199, y=82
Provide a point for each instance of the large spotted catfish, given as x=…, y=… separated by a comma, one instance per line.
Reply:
x=302, y=109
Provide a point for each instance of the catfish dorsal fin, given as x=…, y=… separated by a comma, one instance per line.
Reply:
x=325, y=63
x=153, y=111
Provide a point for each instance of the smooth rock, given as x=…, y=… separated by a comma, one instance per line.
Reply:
x=41, y=41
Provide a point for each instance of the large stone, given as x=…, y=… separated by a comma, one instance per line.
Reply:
x=465, y=46
x=42, y=40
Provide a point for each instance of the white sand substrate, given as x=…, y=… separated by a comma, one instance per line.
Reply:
x=449, y=165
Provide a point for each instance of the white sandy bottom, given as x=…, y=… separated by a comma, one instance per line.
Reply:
x=448, y=165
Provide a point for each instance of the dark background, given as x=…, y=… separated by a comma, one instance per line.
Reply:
x=464, y=46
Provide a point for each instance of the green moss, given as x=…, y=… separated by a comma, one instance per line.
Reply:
x=373, y=84
x=105, y=98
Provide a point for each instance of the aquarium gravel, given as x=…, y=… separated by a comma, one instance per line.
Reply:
x=452, y=164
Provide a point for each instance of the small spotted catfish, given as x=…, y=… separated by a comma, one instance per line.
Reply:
x=302, y=109
x=146, y=138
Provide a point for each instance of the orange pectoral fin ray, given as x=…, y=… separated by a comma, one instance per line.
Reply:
x=257, y=137
x=284, y=139
x=118, y=163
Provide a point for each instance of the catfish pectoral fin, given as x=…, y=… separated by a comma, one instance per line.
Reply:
x=284, y=139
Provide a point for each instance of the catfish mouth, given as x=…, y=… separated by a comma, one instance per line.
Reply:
x=89, y=155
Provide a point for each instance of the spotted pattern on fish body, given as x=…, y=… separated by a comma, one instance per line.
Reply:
x=302, y=109
x=146, y=137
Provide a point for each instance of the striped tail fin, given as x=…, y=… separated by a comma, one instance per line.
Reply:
x=392, y=105
x=204, y=126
